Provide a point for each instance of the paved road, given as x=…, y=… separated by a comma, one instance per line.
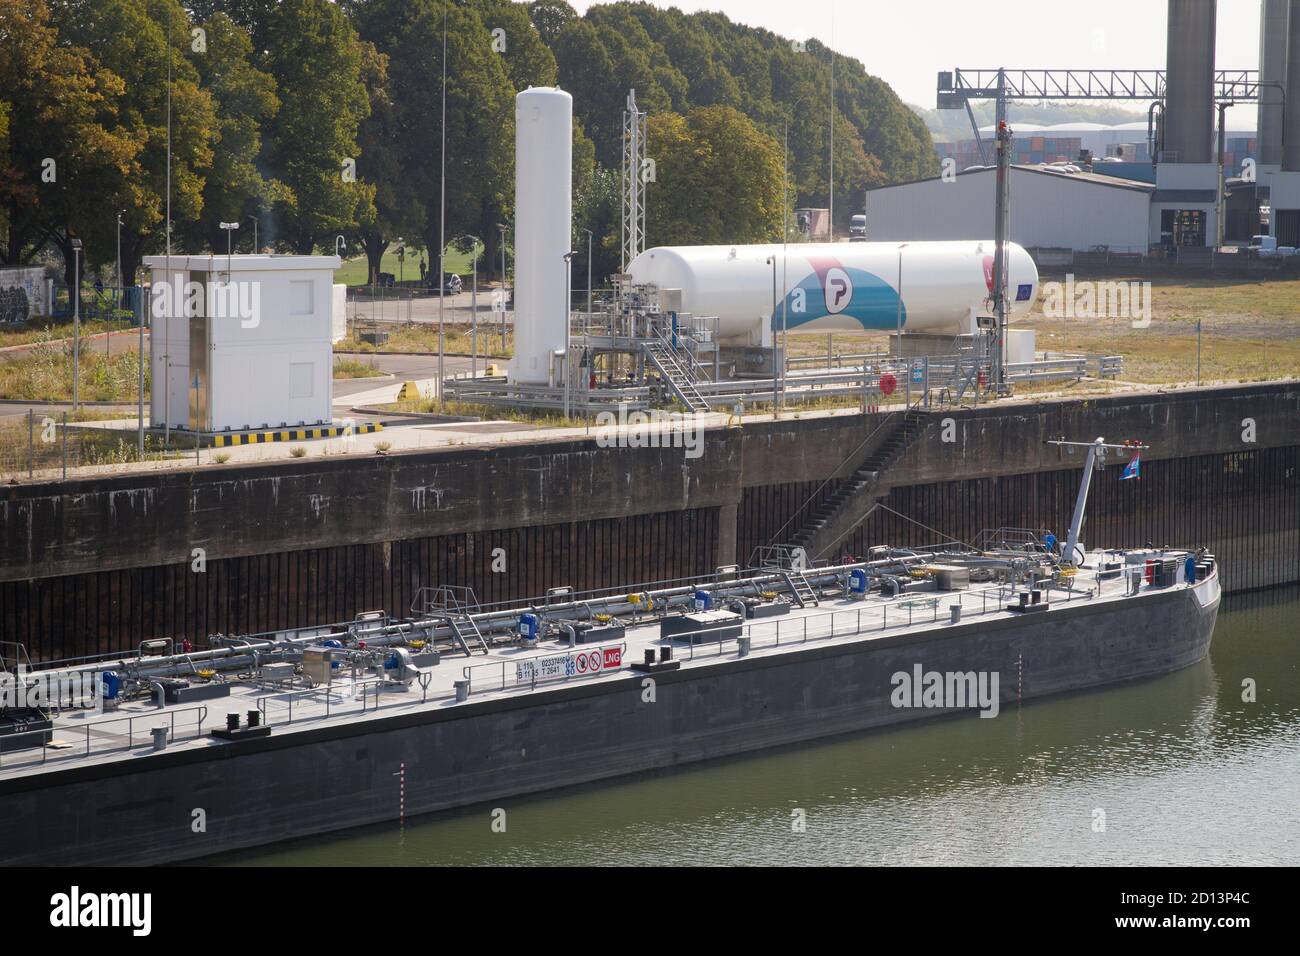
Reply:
x=117, y=343
x=11, y=411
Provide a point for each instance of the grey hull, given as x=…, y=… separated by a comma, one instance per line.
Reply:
x=144, y=810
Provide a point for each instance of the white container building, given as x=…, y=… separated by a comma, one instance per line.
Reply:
x=241, y=342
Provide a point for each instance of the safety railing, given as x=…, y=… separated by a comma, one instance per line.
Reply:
x=96, y=731
x=902, y=612
x=368, y=692
x=574, y=662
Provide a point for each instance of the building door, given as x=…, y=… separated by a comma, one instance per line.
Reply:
x=1182, y=227
x=200, y=404
x=1288, y=227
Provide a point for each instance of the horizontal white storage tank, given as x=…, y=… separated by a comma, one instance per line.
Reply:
x=839, y=286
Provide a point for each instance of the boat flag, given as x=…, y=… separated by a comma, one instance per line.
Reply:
x=1133, y=468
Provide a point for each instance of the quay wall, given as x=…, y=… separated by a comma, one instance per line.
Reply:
x=95, y=565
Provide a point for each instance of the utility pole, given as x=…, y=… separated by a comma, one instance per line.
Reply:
x=1001, y=226
x=1219, y=204
x=167, y=321
x=776, y=382
x=832, y=137
x=442, y=205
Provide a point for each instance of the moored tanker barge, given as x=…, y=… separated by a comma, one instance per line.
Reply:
x=179, y=755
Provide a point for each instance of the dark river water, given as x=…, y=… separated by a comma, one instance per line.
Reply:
x=1173, y=770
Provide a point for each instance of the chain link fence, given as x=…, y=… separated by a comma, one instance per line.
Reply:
x=48, y=445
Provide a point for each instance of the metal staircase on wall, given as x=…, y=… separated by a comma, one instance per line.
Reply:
x=677, y=375
x=824, y=524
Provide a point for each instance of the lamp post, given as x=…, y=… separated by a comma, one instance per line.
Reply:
x=76, y=322
x=568, y=282
x=256, y=248
x=898, y=335
x=120, y=214
x=140, y=372
x=785, y=238
x=473, y=308
x=589, y=237
x=229, y=228
x=501, y=228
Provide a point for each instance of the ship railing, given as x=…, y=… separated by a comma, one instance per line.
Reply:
x=905, y=611
x=556, y=666
x=99, y=739
x=362, y=695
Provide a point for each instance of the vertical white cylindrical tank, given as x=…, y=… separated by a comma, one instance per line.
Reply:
x=543, y=215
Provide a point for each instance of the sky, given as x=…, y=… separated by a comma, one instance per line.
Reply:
x=907, y=42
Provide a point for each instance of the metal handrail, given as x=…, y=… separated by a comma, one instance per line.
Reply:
x=1000, y=591
x=568, y=653
x=130, y=731
x=889, y=416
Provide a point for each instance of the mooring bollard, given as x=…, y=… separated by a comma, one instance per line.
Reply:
x=462, y=691
x=159, y=738
x=954, y=613
x=742, y=645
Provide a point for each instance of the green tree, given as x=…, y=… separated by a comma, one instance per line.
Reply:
x=550, y=17
x=679, y=61
x=718, y=179
x=318, y=62
x=527, y=59
x=234, y=188
x=402, y=146
x=129, y=39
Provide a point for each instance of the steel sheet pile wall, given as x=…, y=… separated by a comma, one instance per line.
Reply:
x=1244, y=506
x=113, y=611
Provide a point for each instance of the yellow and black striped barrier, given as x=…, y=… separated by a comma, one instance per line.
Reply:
x=295, y=434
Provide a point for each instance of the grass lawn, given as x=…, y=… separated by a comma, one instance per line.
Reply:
x=541, y=418
x=1250, y=331
x=354, y=368
x=353, y=271
x=45, y=374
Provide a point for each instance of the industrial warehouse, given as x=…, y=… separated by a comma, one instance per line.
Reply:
x=563, y=434
x=1191, y=190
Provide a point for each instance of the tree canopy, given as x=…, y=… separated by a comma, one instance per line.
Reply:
x=320, y=118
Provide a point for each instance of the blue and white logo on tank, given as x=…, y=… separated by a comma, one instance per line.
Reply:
x=831, y=289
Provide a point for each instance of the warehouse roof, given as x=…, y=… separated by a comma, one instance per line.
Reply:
x=1114, y=182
